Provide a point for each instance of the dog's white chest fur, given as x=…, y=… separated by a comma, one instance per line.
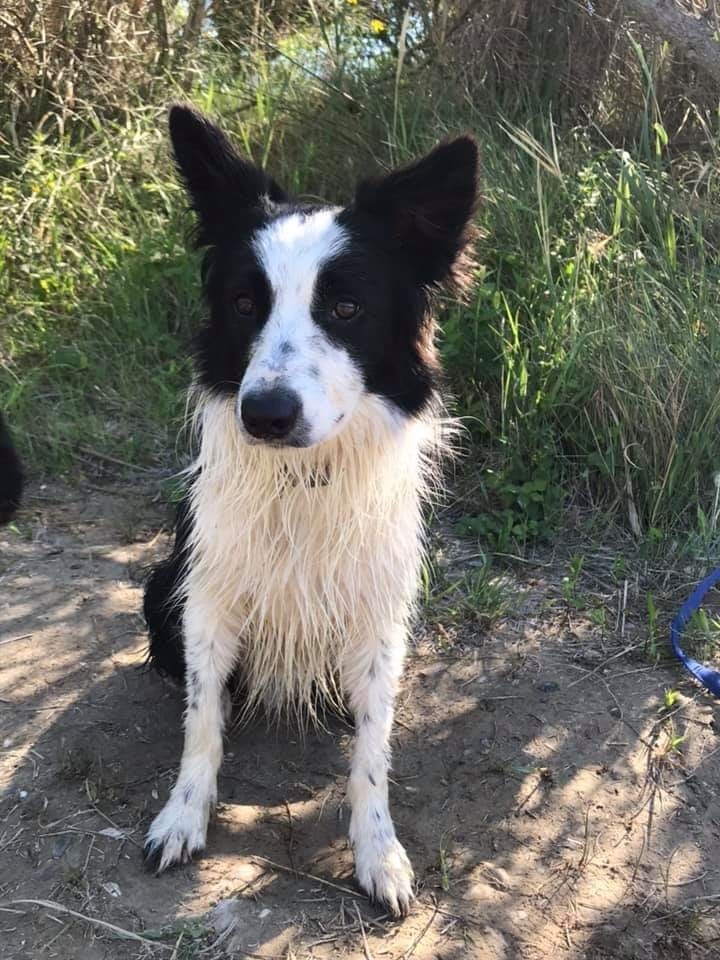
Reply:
x=307, y=552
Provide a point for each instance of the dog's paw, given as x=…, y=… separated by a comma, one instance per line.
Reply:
x=386, y=875
x=178, y=831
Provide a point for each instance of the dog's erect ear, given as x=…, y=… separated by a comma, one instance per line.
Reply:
x=427, y=207
x=220, y=182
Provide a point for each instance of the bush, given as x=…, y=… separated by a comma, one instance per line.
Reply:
x=584, y=363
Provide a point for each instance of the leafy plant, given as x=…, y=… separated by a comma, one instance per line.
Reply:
x=670, y=698
x=515, y=512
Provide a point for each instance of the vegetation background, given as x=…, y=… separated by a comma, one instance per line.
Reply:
x=585, y=362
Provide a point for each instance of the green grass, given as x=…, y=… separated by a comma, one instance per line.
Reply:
x=476, y=597
x=98, y=294
x=585, y=361
x=589, y=356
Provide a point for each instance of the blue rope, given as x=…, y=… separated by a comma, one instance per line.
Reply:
x=707, y=677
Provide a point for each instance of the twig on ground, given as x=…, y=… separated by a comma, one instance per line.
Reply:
x=456, y=916
x=624, y=609
x=90, y=850
x=223, y=936
x=291, y=838
x=113, y=824
x=23, y=636
x=120, y=931
x=414, y=945
x=599, y=667
x=366, y=948
x=688, y=903
x=308, y=876
x=116, y=460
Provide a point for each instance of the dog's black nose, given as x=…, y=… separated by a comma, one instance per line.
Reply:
x=270, y=414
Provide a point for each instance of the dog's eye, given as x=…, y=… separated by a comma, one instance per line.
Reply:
x=244, y=305
x=345, y=309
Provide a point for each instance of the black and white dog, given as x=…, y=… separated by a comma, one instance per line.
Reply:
x=299, y=545
x=11, y=475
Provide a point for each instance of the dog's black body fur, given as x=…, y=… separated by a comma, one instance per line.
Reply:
x=11, y=475
x=163, y=605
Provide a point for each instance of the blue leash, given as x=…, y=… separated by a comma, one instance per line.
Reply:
x=707, y=677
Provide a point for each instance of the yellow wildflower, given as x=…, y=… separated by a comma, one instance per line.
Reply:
x=377, y=26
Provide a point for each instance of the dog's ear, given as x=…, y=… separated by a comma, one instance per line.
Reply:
x=219, y=181
x=427, y=207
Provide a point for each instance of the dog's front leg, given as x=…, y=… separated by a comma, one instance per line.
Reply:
x=370, y=676
x=180, y=828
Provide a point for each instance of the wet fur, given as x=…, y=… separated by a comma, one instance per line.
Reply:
x=296, y=562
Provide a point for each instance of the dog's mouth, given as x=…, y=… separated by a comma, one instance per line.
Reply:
x=300, y=439
x=288, y=444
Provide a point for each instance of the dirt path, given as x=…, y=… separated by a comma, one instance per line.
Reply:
x=547, y=808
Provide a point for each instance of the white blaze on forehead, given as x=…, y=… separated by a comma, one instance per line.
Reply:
x=291, y=350
x=293, y=249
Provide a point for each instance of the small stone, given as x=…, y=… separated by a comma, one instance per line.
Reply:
x=60, y=846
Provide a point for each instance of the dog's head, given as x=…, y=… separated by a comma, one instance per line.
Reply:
x=314, y=307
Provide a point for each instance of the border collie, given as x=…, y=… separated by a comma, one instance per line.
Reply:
x=11, y=475
x=299, y=545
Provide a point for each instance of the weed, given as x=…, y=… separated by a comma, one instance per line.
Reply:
x=702, y=634
x=444, y=865
x=74, y=877
x=571, y=581
x=675, y=741
x=476, y=596
x=427, y=580
x=599, y=617
x=188, y=936
x=651, y=646
x=516, y=512
x=76, y=765
x=173, y=490
x=81, y=767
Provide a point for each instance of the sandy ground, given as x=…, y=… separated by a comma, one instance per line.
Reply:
x=540, y=785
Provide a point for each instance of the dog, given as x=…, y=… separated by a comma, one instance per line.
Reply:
x=299, y=544
x=11, y=475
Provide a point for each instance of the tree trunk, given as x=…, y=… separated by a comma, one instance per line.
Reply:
x=162, y=34
x=192, y=29
x=694, y=37
x=194, y=23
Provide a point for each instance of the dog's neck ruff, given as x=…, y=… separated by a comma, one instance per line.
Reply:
x=299, y=569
